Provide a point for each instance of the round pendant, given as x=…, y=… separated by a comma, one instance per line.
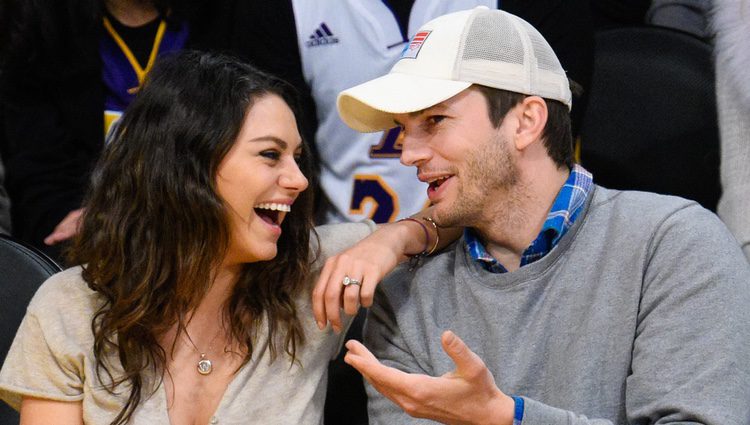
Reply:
x=204, y=366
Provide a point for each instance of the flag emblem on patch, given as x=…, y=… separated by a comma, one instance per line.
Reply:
x=412, y=50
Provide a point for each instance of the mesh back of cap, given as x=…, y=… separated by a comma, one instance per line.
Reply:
x=482, y=42
x=545, y=58
x=502, y=51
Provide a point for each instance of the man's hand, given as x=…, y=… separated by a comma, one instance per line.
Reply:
x=66, y=229
x=468, y=395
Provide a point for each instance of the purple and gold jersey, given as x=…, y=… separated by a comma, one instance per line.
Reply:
x=342, y=44
x=122, y=74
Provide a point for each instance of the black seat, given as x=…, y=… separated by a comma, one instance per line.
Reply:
x=22, y=270
x=651, y=119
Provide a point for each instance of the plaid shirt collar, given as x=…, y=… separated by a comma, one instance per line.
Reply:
x=564, y=212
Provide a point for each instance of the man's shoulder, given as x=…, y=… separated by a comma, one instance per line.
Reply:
x=635, y=198
x=427, y=276
x=644, y=207
x=648, y=217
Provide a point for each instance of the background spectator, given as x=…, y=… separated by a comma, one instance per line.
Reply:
x=731, y=24
x=61, y=69
x=684, y=15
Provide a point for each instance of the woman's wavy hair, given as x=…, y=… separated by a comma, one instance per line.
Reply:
x=155, y=227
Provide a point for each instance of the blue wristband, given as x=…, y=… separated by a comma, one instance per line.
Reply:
x=518, y=413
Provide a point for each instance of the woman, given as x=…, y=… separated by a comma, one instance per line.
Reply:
x=196, y=266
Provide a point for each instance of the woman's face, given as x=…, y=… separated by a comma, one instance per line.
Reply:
x=259, y=180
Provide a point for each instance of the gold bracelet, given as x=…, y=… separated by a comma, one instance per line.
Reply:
x=426, y=236
x=437, y=234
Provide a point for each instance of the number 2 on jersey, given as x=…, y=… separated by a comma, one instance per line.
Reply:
x=371, y=190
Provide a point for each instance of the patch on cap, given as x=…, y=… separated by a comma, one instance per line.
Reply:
x=412, y=50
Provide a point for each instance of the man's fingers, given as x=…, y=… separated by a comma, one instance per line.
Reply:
x=360, y=358
x=468, y=364
x=358, y=349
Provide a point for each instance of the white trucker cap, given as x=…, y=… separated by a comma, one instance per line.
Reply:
x=450, y=53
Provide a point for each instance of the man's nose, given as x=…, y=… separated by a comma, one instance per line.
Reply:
x=413, y=151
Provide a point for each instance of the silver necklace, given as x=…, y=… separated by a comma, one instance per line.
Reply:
x=205, y=366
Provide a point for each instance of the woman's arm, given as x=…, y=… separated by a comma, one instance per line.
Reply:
x=370, y=260
x=39, y=411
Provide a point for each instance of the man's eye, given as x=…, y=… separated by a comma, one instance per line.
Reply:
x=435, y=119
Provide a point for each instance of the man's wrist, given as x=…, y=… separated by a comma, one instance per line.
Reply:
x=502, y=411
x=518, y=410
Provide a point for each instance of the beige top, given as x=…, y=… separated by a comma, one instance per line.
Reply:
x=52, y=357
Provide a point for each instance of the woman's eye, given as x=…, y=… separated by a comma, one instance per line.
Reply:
x=271, y=155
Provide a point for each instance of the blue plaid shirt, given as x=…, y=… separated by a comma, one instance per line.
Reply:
x=566, y=208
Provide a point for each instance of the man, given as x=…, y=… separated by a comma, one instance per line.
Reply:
x=577, y=304
x=323, y=47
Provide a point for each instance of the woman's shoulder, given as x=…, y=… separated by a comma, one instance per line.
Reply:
x=333, y=238
x=64, y=295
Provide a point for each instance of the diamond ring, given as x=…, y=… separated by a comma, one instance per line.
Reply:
x=349, y=281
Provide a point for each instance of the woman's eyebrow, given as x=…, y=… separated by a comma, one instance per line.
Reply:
x=281, y=143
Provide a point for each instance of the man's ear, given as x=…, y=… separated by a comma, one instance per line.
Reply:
x=532, y=117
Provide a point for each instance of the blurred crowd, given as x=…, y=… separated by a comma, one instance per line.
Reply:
x=69, y=69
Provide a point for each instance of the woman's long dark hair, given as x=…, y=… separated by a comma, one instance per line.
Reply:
x=155, y=228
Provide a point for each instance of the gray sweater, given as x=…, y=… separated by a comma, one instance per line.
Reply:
x=640, y=315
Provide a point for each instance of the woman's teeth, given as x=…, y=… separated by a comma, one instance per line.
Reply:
x=274, y=207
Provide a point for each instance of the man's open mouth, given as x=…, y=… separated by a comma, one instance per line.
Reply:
x=436, y=182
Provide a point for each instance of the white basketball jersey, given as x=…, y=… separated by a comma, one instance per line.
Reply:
x=343, y=43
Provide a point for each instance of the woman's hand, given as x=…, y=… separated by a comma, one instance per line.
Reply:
x=366, y=263
x=349, y=278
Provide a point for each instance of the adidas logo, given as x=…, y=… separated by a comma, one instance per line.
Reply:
x=321, y=36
